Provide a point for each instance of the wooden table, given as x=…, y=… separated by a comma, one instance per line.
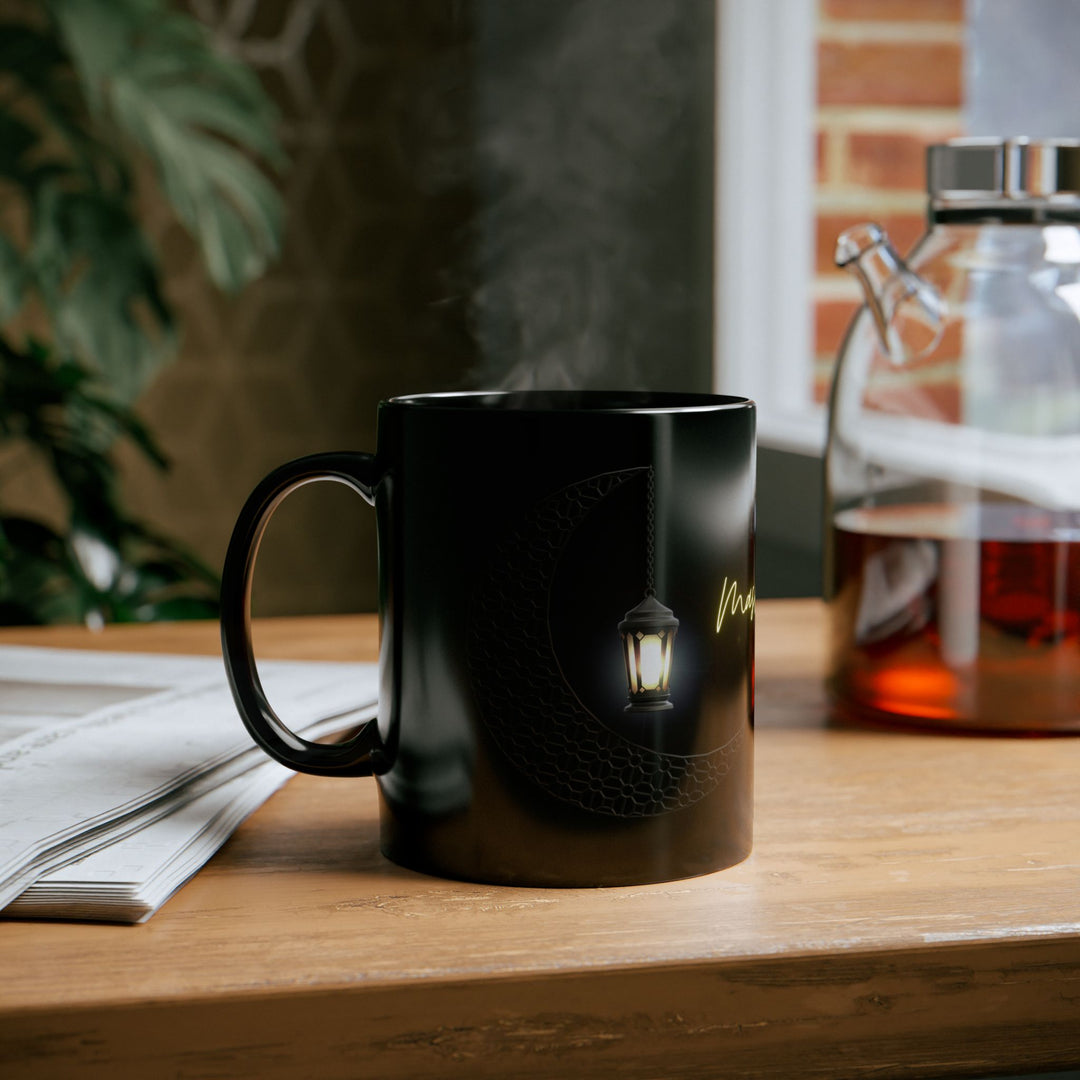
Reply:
x=911, y=909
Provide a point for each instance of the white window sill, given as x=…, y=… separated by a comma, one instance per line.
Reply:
x=801, y=432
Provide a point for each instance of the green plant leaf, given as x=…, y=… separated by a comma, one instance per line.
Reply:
x=85, y=89
x=99, y=282
x=55, y=407
x=176, y=607
x=16, y=139
x=12, y=279
x=97, y=36
x=29, y=54
x=42, y=71
x=125, y=422
x=86, y=577
x=37, y=585
x=199, y=115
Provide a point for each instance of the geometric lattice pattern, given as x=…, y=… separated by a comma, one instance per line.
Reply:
x=530, y=710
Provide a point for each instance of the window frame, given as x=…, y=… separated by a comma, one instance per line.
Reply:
x=766, y=95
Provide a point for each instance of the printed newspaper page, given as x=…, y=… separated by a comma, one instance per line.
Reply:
x=96, y=746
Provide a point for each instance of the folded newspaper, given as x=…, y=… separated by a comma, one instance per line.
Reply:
x=122, y=773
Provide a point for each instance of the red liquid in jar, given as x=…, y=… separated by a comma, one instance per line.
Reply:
x=957, y=617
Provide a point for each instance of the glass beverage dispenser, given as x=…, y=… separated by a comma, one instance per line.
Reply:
x=953, y=460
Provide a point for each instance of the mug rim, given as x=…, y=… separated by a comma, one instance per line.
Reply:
x=572, y=401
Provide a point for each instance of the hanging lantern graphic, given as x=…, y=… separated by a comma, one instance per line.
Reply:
x=648, y=634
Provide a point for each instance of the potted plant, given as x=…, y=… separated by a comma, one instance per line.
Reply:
x=96, y=96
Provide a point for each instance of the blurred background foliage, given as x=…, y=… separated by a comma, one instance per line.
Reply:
x=98, y=97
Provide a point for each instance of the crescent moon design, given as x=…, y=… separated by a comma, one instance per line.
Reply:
x=525, y=702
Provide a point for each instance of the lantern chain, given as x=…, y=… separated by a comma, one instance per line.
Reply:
x=650, y=522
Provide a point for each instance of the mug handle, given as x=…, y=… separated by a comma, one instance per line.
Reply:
x=354, y=756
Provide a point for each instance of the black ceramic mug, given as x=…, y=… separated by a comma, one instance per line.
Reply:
x=567, y=644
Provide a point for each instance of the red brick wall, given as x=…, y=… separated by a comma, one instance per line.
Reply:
x=890, y=81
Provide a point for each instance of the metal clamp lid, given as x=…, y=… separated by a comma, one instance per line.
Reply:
x=992, y=170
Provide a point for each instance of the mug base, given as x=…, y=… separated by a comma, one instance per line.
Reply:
x=579, y=875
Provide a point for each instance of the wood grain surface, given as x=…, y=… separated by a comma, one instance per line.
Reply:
x=911, y=908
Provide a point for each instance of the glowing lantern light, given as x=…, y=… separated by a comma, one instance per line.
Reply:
x=648, y=634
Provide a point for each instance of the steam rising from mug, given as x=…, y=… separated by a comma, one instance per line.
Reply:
x=592, y=238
